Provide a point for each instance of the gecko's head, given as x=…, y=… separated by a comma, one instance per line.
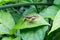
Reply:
x=31, y=17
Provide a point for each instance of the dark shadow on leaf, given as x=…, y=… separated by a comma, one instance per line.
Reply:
x=31, y=29
x=55, y=35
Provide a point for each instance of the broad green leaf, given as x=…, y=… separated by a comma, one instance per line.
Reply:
x=34, y=33
x=18, y=35
x=3, y=29
x=25, y=24
x=9, y=1
x=49, y=12
x=7, y=38
x=57, y=2
x=39, y=21
x=6, y=21
x=10, y=38
x=56, y=22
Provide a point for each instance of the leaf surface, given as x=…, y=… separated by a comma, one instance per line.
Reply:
x=56, y=22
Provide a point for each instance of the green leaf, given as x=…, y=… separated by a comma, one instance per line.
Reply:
x=39, y=21
x=49, y=12
x=7, y=38
x=15, y=13
x=57, y=2
x=10, y=1
x=6, y=20
x=56, y=22
x=3, y=29
x=44, y=1
x=34, y=33
x=18, y=35
x=6, y=1
x=24, y=24
x=17, y=38
x=10, y=38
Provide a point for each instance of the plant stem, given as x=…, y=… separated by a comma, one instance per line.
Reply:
x=22, y=4
x=36, y=7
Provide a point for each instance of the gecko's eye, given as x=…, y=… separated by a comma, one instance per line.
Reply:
x=22, y=9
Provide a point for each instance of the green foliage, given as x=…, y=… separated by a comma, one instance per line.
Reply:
x=30, y=22
x=56, y=22
x=34, y=33
x=6, y=22
x=57, y=2
x=26, y=24
x=6, y=1
x=7, y=38
x=10, y=38
x=49, y=12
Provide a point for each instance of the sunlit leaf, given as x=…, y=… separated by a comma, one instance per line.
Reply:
x=39, y=21
x=7, y=38
x=57, y=2
x=7, y=1
x=26, y=24
x=3, y=29
x=34, y=33
x=10, y=38
x=49, y=12
x=56, y=22
x=18, y=35
x=6, y=21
